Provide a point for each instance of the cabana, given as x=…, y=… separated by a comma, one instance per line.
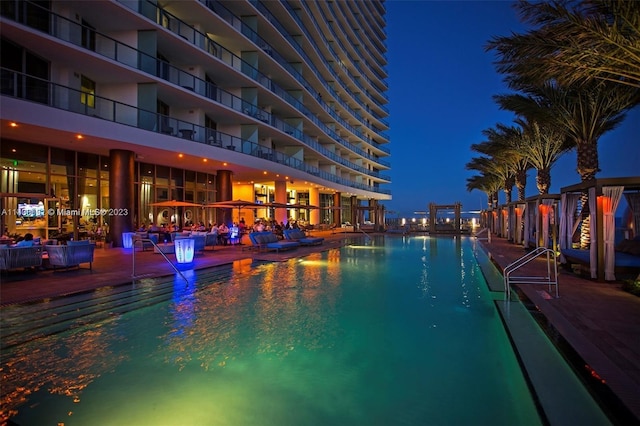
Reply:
x=541, y=221
x=603, y=198
x=515, y=212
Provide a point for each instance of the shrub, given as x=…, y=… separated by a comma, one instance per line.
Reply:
x=632, y=286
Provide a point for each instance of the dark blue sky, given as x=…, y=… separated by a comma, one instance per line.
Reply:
x=441, y=83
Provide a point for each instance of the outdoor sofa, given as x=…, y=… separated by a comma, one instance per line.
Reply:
x=72, y=254
x=20, y=257
x=300, y=237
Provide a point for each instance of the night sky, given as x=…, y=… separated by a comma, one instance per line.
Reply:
x=441, y=83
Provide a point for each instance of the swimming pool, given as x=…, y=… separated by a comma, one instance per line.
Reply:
x=394, y=331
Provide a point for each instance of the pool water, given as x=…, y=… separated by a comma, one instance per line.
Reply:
x=395, y=331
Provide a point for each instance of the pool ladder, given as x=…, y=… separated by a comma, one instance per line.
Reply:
x=147, y=240
x=551, y=279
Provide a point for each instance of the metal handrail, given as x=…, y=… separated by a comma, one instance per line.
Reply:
x=480, y=232
x=550, y=279
x=147, y=240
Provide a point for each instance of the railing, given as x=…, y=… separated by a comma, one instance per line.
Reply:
x=550, y=279
x=482, y=231
x=22, y=86
x=156, y=247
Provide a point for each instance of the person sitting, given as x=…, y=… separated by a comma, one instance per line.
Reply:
x=27, y=241
x=223, y=234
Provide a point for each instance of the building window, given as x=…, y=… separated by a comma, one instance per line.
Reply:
x=88, y=95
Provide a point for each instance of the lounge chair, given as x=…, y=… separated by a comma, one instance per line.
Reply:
x=300, y=237
x=269, y=241
x=627, y=256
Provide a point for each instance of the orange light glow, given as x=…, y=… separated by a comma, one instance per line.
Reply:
x=205, y=160
x=180, y=155
x=224, y=164
x=604, y=202
x=79, y=137
x=264, y=173
x=13, y=124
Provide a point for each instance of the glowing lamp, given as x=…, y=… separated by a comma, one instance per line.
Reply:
x=184, y=250
x=127, y=239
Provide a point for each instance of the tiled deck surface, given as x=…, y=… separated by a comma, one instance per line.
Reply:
x=599, y=320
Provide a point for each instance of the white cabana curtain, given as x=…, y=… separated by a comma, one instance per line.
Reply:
x=563, y=226
x=527, y=226
x=548, y=203
x=593, y=249
x=612, y=195
x=569, y=202
x=512, y=223
x=518, y=231
x=633, y=199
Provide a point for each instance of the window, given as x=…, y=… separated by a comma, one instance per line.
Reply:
x=88, y=36
x=88, y=95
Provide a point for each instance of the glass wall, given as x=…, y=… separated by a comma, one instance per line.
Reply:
x=57, y=193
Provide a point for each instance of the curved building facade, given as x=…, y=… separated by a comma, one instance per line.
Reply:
x=109, y=107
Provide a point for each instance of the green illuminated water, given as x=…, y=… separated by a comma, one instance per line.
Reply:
x=400, y=331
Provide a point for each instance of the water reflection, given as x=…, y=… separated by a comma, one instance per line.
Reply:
x=273, y=311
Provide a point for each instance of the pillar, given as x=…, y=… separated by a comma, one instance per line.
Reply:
x=281, y=197
x=337, y=216
x=224, y=192
x=121, y=193
x=314, y=200
x=354, y=211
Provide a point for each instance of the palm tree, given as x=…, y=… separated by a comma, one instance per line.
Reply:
x=490, y=184
x=503, y=143
x=573, y=42
x=542, y=145
x=487, y=183
x=496, y=167
x=583, y=113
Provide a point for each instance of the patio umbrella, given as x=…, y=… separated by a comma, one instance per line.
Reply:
x=174, y=204
x=235, y=204
x=302, y=206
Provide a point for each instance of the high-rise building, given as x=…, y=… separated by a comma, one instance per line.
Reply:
x=108, y=107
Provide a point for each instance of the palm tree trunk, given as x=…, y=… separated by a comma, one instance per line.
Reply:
x=587, y=156
x=543, y=181
x=521, y=183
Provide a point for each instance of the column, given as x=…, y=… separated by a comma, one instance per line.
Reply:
x=337, y=215
x=314, y=200
x=281, y=197
x=121, y=193
x=224, y=192
x=355, y=212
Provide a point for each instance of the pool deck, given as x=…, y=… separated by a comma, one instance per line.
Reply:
x=599, y=320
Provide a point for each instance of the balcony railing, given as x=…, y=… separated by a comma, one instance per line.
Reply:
x=29, y=88
x=70, y=31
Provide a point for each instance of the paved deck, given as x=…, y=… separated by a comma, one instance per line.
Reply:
x=599, y=320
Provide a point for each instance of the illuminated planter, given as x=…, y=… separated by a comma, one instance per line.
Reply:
x=127, y=239
x=184, y=250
